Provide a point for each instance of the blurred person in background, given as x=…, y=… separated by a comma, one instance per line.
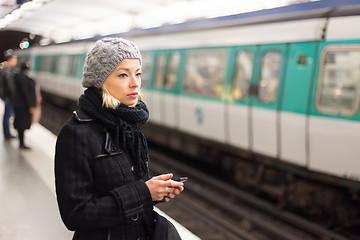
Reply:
x=7, y=90
x=101, y=159
x=38, y=111
x=25, y=102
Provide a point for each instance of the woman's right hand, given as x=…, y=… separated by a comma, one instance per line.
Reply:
x=162, y=187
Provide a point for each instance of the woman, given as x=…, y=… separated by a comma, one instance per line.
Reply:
x=101, y=159
x=24, y=102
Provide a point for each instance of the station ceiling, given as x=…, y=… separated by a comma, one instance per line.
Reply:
x=63, y=20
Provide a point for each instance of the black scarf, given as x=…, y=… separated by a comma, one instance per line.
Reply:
x=124, y=123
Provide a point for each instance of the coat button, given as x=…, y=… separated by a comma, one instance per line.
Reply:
x=133, y=169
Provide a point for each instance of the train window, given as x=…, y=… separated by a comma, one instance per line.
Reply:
x=38, y=65
x=172, y=71
x=63, y=65
x=269, y=80
x=302, y=59
x=160, y=70
x=205, y=72
x=54, y=65
x=339, y=81
x=45, y=63
x=74, y=63
x=242, y=77
x=145, y=69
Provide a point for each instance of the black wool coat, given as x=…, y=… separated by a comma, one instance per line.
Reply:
x=99, y=196
x=24, y=98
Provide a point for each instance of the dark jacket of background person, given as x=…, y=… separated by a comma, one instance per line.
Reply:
x=7, y=91
x=104, y=193
x=24, y=99
x=7, y=82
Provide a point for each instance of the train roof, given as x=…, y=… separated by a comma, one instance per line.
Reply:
x=302, y=11
x=311, y=11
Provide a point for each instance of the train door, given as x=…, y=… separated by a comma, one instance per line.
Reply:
x=265, y=99
x=201, y=106
x=334, y=124
x=238, y=108
x=147, y=69
x=294, y=104
x=171, y=88
x=158, y=112
x=165, y=86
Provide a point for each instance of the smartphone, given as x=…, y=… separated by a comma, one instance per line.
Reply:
x=182, y=179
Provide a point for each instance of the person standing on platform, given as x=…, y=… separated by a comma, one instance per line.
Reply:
x=36, y=116
x=7, y=90
x=24, y=102
x=101, y=158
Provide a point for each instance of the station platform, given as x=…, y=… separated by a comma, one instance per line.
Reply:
x=27, y=188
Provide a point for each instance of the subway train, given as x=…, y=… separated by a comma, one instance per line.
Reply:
x=270, y=97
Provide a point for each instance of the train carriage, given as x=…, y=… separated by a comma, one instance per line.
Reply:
x=267, y=98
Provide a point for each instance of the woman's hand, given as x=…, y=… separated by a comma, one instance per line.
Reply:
x=162, y=187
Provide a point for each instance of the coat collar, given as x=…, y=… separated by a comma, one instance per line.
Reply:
x=110, y=147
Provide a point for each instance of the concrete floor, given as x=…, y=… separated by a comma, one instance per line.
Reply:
x=28, y=208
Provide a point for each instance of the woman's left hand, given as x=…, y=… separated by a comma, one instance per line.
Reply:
x=163, y=188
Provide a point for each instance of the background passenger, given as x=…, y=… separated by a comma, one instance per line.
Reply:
x=24, y=102
x=101, y=160
x=38, y=111
x=8, y=90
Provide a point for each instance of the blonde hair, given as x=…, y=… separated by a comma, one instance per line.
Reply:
x=109, y=101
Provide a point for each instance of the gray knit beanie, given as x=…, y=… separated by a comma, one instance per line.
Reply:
x=104, y=57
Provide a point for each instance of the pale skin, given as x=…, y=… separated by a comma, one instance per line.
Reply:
x=124, y=84
x=12, y=61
